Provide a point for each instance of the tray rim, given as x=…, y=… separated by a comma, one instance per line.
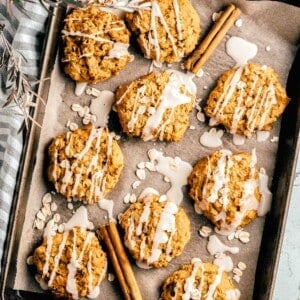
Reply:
x=263, y=289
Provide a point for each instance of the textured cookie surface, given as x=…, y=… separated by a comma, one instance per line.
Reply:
x=166, y=32
x=85, y=164
x=95, y=44
x=155, y=231
x=247, y=99
x=72, y=264
x=225, y=189
x=199, y=281
x=156, y=106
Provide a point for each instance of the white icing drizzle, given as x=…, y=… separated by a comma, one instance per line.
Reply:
x=98, y=179
x=266, y=195
x=157, y=17
x=240, y=50
x=175, y=169
x=170, y=98
x=215, y=246
x=94, y=36
x=262, y=136
x=101, y=107
x=164, y=231
x=191, y=291
x=212, y=138
x=80, y=88
x=108, y=206
x=224, y=261
x=119, y=50
x=79, y=219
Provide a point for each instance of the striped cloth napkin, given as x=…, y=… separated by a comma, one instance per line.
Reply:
x=26, y=36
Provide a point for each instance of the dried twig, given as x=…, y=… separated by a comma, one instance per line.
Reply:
x=20, y=91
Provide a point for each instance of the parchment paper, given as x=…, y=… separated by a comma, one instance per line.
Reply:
x=264, y=23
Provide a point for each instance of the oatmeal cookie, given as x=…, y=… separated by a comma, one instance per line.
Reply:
x=85, y=164
x=225, y=188
x=156, y=231
x=166, y=32
x=95, y=44
x=246, y=99
x=71, y=264
x=156, y=106
x=199, y=280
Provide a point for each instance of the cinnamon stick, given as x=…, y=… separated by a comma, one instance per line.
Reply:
x=121, y=264
x=205, y=49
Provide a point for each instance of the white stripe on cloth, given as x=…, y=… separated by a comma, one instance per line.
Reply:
x=11, y=141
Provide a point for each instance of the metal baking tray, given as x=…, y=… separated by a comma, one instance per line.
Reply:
x=288, y=149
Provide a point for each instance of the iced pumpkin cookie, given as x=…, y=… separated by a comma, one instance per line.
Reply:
x=246, y=99
x=227, y=189
x=156, y=106
x=95, y=44
x=199, y=280
x=166, y=32
x=156, y=230
x=70, y=264
x=85, y=164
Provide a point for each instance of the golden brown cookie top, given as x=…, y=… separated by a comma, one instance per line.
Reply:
x=85, y=164
x=225, y=188
x=199, y=280
x=246, y=99
x=166, y=32
x=156, y=106
x=95, y=44
x=71, y=264
x=156, y=230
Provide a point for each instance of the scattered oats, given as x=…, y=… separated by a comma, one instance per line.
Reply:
x=46, y=210
x=192, y=127
x=126, y=199
x=237, y=233
x=53, y=193
x=132, y=198
x=86, y=120
x=61, y=228
x=29, y=260
x=111, y=277
x=238, y=23
x=54, y=227
x=166, y=179
x=244, y=237
x=73, y=126
x=86, y=110
x=274, y=139
x=53, y=206
x=69, y=199
x=230, y=237
x=70, y=206
x=242, y=266
x=39, y=224
x=41, y=216
x=141, y=174
x=205, y=87
x=117, y=137
x=93, y=92
x=162, y=198
x=81, y=113
x=141, y=165
x=200, y=73
x=268, y=48
x=216, y=15
x=150, y=166
x=56, y=218
x=237, y=272
x=136, y=184
x=204, y=231
x=84, y=202
x=68, y=123
x=236, y=278
x=200, y=116
x=47, y=198
x=169, y=65
x=76, y=107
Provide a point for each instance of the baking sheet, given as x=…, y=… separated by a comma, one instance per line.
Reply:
x=263, y=17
